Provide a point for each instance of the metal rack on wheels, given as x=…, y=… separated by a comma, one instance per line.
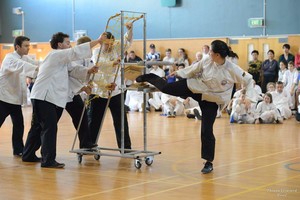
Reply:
x=137, y=155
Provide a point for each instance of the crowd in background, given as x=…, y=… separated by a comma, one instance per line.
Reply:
x=274, y=98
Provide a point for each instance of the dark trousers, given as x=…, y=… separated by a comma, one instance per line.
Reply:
x=15, y=112
x=267, y=78
x=47, y=115
x=209, y=110
x=75, y=109
x=256, y=78
x=96, y=113
x=33, y=141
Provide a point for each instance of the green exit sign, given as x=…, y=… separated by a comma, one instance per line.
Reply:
x=256, y=22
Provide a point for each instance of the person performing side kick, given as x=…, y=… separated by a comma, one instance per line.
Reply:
x=210, y=82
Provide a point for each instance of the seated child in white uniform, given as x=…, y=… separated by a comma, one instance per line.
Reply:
x=281, y=99
x=134, y=100
x=266, y=112
x=192, y=108
x=242, y=111
x=172, y=105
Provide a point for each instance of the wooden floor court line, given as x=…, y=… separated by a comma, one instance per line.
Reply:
x=270, y=159
x=209, y=180
x=192, y=184
x=233, y=163
x=190, y=177
x=257, y=188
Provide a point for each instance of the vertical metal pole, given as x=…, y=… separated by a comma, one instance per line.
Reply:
x=73, y=19
x=264, y=17
x=23, y=23
x=122, y=83
x=145, y=99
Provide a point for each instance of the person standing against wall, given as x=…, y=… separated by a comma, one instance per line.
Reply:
x=255, y=67
x=270, y=70
x=286, y=56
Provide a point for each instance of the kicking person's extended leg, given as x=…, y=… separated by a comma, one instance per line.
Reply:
x=178, y=88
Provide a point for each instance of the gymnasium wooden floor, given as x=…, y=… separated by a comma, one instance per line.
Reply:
x=252, y=162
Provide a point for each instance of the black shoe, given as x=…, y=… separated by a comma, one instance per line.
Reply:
x=53, y=164
x=89, y=146
x=169, y=115
x=197, y=114
x=18, y=154
x=126, y=149
x=140, y=79
x=33, y=159
x=126, y=108
x=208, y=167
x=190, y=116
x=228, y=111
x=146, y=77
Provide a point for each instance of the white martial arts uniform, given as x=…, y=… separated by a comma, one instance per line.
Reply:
x=215, y=82
x=282, y=103
x=155, y=101
x=240, y=113
x=78, y=76
x=107, y=72
x=13, y=73
x=268, y=113
x=52, y=83
x=169, y=108
x=290, y=78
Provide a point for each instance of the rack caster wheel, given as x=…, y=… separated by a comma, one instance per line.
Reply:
x=97, y=157
x=79, y=158
x=149, y=160
x=137, y=164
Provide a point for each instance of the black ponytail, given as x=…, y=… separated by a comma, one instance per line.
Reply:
x=220, y=47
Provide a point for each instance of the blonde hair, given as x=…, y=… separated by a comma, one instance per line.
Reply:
x=83, y=39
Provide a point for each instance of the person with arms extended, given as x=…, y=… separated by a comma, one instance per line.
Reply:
x=210, y=82
x=108, y=61
x=51, y=89
x=15, y=68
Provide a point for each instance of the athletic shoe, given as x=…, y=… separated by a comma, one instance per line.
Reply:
x=208, y=167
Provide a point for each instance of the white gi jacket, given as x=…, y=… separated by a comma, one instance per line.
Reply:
x=78, y=76
x=282, y=101
x=52, y=83
x=159, y=72
x=107, y=72
x=13, y=73
x=214, y=82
